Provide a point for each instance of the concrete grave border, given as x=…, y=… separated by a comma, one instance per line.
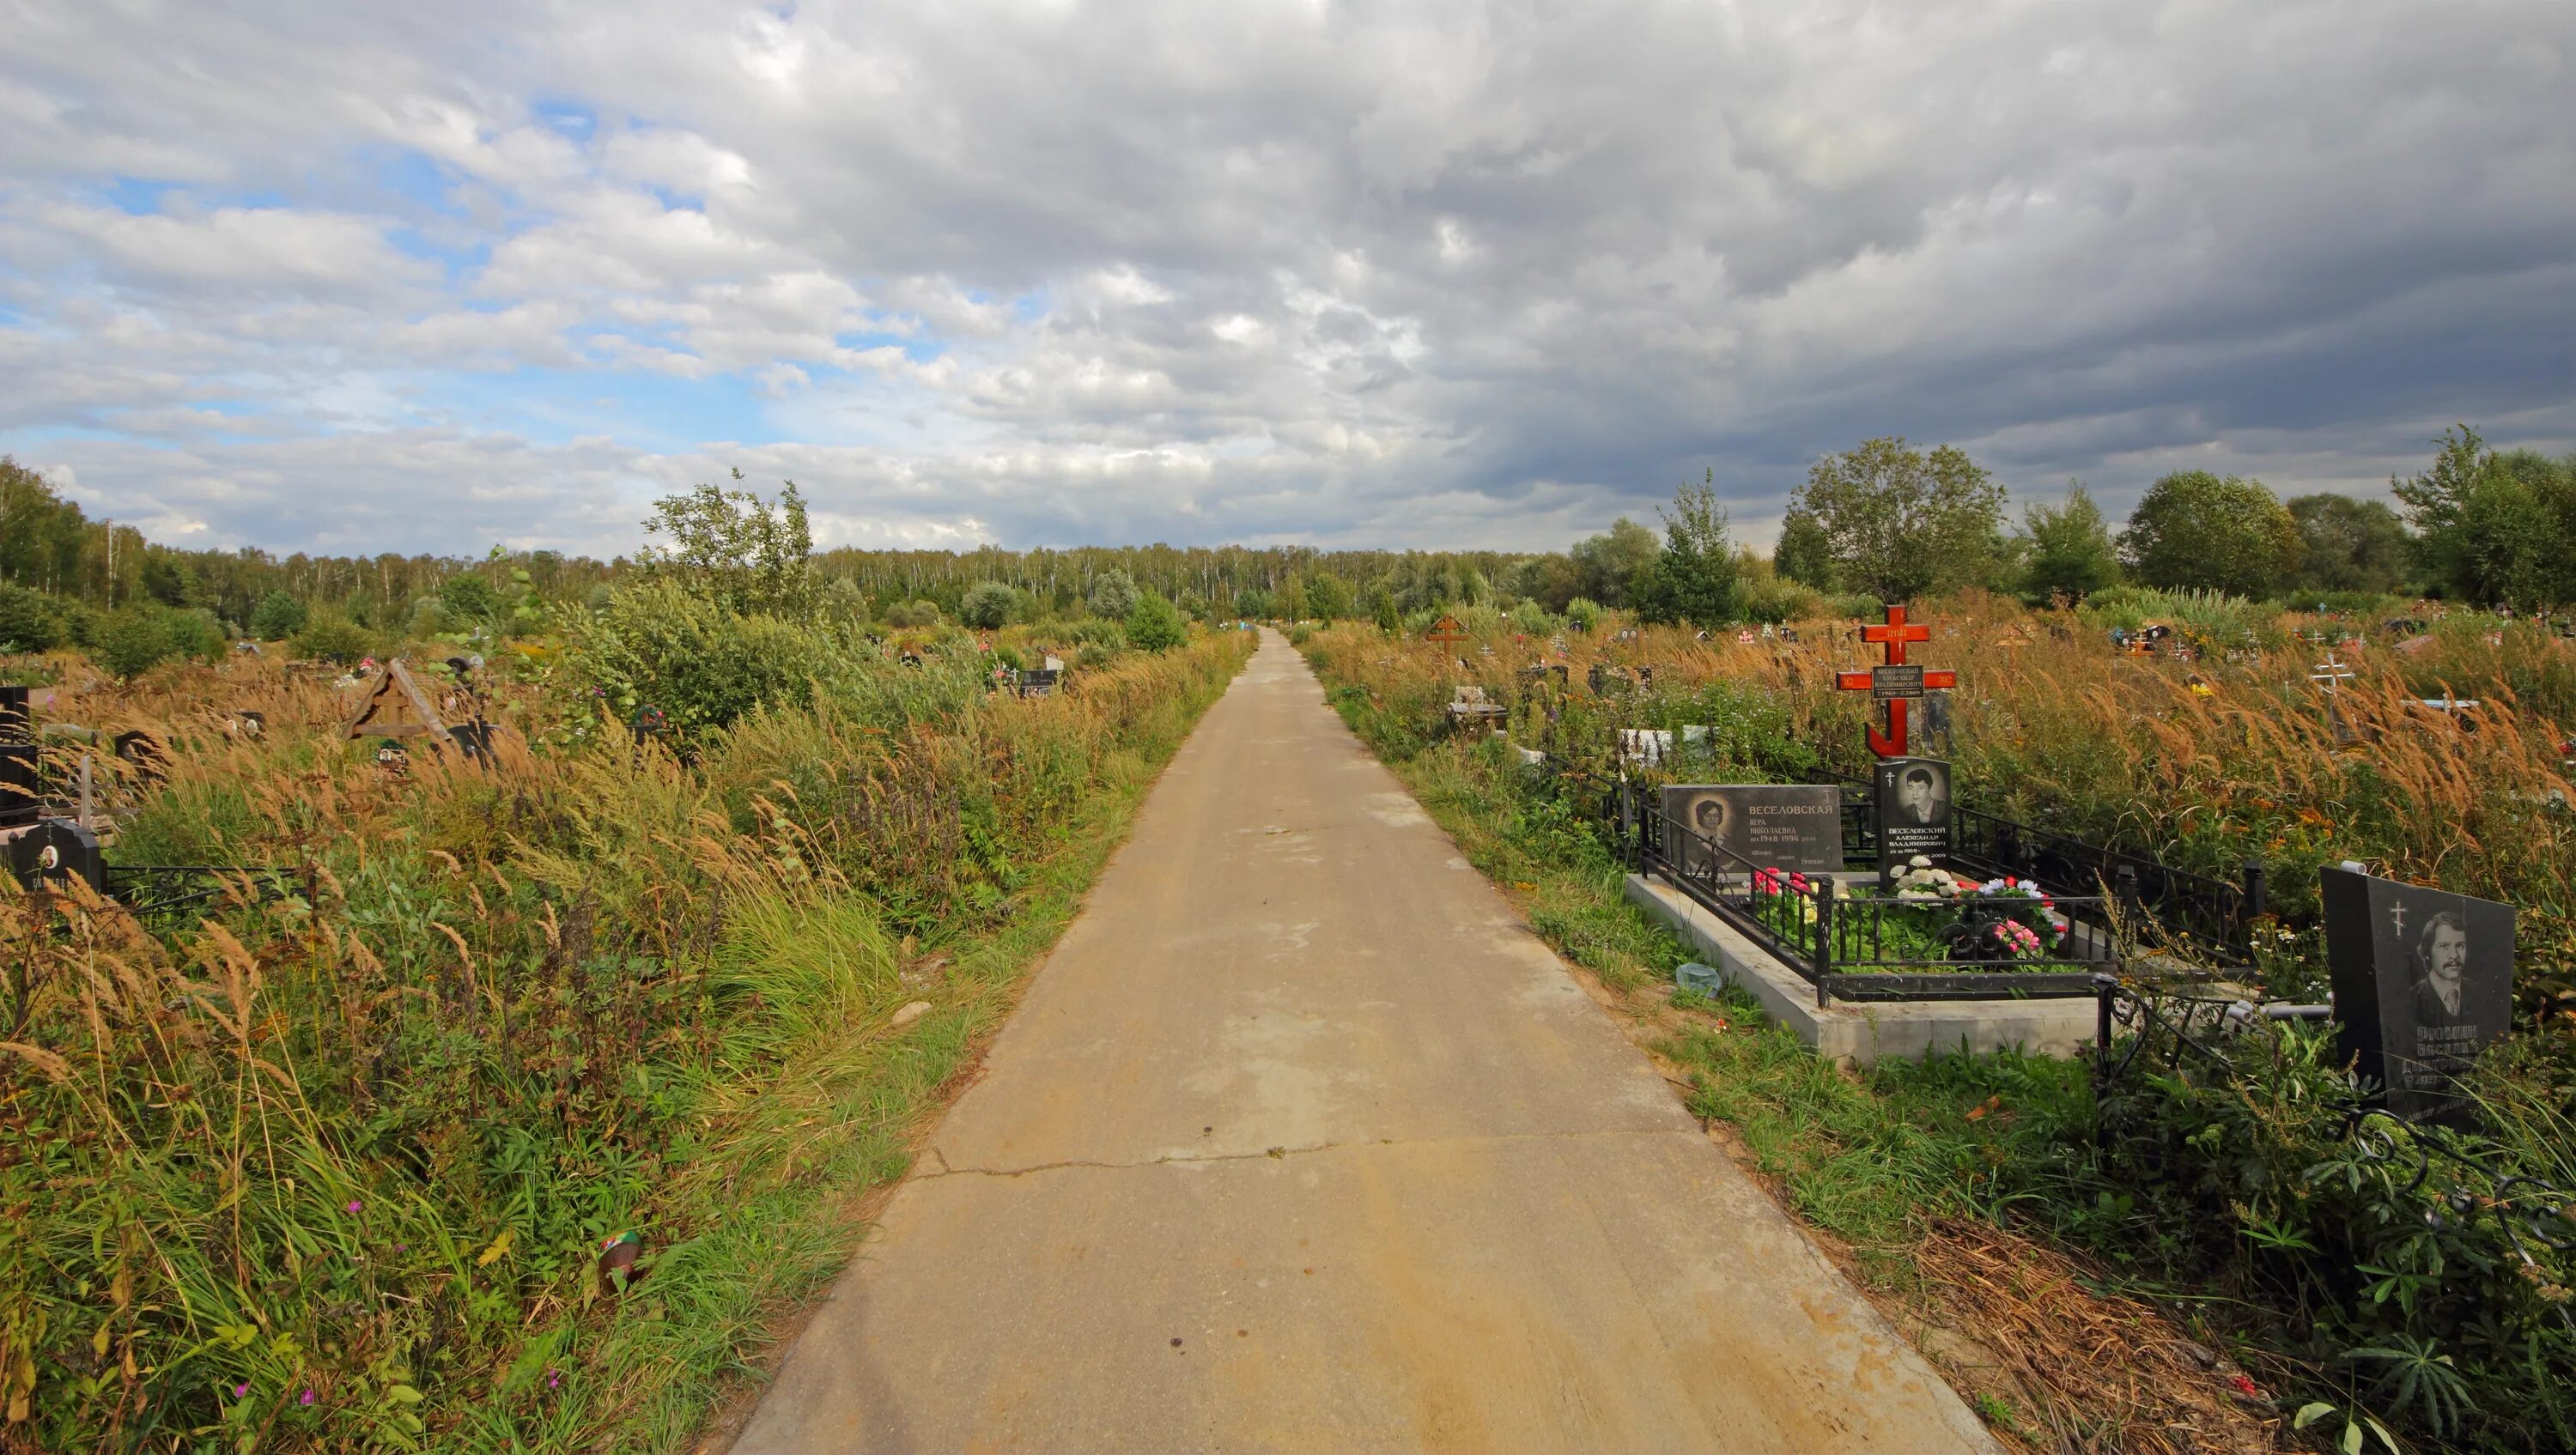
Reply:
x=1858, y=1033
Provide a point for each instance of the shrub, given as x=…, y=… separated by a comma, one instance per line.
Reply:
x=1093, y=655
x=660, y=645
x=1113, y=594
x=139, y=638
x=277, y=617
x=988, y=605
x=909, y=614
x=331, y=637
x=1584, y=614
x=1155, y=625
x=28, y=622
x=1109, y=636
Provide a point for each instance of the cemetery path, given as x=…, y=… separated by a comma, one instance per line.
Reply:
x=1301, y=1140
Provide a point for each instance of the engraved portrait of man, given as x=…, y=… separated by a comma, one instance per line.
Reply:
x=2441, y=963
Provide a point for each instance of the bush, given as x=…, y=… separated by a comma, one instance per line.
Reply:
x=277, y=617
x=909, y=614
x=137, y=639
x=1094, y=655
x=28, y=622
x=988, y=605
x=2441, y=1314
x=331, y=637
x=1155, y=625
x=660, y=645
x=1113, y=594
x=1584, y=614
x=1109, y=636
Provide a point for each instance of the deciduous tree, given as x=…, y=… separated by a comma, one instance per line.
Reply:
x=1899, y=522
x=2195, y=531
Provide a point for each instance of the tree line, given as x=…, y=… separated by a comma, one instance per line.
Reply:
x=1883, y=521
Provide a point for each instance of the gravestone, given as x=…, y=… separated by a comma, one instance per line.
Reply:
x=19, y=800
x=144, y=753
x=1794, y=826
x=2423, y=981
x=1913, y=801
x=1041, y=681
x=56, y=850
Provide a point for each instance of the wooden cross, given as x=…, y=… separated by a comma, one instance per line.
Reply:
x=1894, y=635
x=1446, y=631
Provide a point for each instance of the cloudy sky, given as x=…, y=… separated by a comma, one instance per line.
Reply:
x=428, y=277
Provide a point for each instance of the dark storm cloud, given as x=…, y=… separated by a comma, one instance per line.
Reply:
x=1404, y=274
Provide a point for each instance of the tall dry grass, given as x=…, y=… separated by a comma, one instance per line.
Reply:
x=332, y=1174
x=2206, y=764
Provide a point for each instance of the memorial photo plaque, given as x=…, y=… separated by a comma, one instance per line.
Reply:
x=1913, y=798
x=1793, y=826
x=2423, y=981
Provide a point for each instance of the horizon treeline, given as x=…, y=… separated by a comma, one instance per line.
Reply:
x=1883, y=521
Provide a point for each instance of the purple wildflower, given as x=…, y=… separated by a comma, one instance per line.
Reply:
x=242, y=1390
x=307, y=1399
x=354, y=1204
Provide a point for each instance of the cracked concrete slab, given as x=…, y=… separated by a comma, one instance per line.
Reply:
x=1302, y=1141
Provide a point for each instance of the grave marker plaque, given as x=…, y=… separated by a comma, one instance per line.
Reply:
x=2423, y=981
x=1793, y=826
x=1913, y=799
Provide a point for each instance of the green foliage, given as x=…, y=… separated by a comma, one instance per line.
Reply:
x=2195, y=531
x=660, y=644
x=467, y=600
x=2350, y=546
x=139, y=638
x=332, y=637
x=1253, y=604
x=2068, y=551
x=841, y=603
x=277, y=617
x=1695, y=579
x=1584, y=615
x=28, y=622
x=908, y=614
x=988, y=605
x=1384, y=613
x=1109, y=636
x=748, y=555
x=1328, y=598
x=1899, y=523
x=1617, y=567
x=1805, y=553
x=1155, y=625
x=1113, y=594
x=2495, y=528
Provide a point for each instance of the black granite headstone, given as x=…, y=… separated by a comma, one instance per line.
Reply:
x=20, y=802
x=2423, y=981
x=55, y=850
x=1793, y=826
x=1913, y=799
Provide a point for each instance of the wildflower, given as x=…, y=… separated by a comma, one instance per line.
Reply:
x=242, y=1390
x=354, y=1204
x=554, y=1379
x=307, y=1398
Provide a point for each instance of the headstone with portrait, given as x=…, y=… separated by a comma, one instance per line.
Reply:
x=1913, y=800
x=1792, y=826
x=2423, y=981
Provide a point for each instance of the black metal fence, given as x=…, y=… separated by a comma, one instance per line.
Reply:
x=1876, y=948
x=160, y=891
x=2175, y=909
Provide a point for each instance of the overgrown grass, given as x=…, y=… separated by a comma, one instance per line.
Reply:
x=333, y=1175
x=2231, y=1195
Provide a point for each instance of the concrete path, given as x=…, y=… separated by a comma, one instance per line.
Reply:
x=1302, y=1141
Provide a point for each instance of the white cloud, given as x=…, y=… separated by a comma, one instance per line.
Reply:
x=1436, y=272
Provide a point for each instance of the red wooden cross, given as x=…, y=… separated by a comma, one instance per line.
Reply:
x=1894, y=635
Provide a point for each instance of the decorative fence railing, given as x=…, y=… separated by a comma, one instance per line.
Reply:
x=2191, y=913
x=1873, y=948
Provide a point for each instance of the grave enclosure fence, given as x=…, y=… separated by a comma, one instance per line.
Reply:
x=1874, y=948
